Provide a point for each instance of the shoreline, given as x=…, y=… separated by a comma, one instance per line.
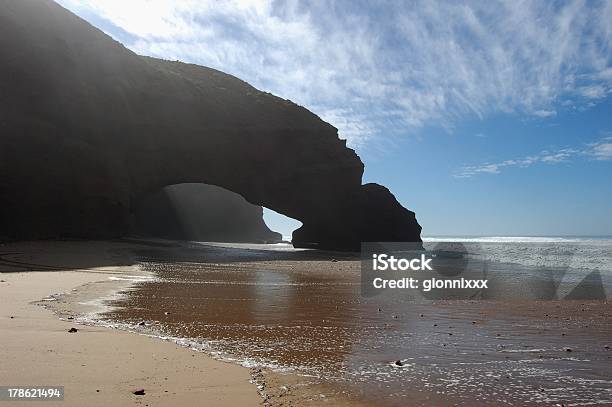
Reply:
x=97, y=365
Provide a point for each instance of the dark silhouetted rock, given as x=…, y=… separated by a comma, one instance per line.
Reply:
x=73, y=330
x=373, y=215
x=139, y=392
x=90, y=129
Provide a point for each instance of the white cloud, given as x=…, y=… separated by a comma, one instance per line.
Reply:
x=593, y=91
x=387, y=65
x=544, y=113
x=600, y=150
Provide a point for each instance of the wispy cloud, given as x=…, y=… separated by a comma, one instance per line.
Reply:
x=600, y=150
x=544, y=113
x=366, y=67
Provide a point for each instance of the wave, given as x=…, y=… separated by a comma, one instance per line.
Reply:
x=517, y=239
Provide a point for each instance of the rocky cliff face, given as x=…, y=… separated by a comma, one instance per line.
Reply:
x=201, y=212
x=88, y=128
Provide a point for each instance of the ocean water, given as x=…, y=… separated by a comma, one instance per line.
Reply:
x=539, y=267
x=301, y=312
x=583, y=253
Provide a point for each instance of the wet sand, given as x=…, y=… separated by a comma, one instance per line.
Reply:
x=301, y=313
x=97, y=366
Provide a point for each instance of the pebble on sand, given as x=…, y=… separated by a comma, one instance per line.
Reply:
x=73, y=330
x=139, y=392
x=399, y=363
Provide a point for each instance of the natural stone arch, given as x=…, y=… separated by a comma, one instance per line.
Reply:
x=105, y=126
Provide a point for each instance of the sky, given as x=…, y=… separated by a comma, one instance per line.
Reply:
x=485, y=118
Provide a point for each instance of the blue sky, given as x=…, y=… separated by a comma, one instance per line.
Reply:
x=485, y=118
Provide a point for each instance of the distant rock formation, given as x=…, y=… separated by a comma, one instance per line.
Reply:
x=201, y=212
x=88, y=129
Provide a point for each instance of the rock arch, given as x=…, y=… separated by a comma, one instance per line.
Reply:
x=89, y=128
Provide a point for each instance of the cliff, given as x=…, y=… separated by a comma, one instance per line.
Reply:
x=89, y=129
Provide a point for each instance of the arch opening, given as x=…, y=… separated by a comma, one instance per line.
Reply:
x=204, y=212
x=281, y=223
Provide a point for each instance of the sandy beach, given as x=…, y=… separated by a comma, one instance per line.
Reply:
x=97, y=366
